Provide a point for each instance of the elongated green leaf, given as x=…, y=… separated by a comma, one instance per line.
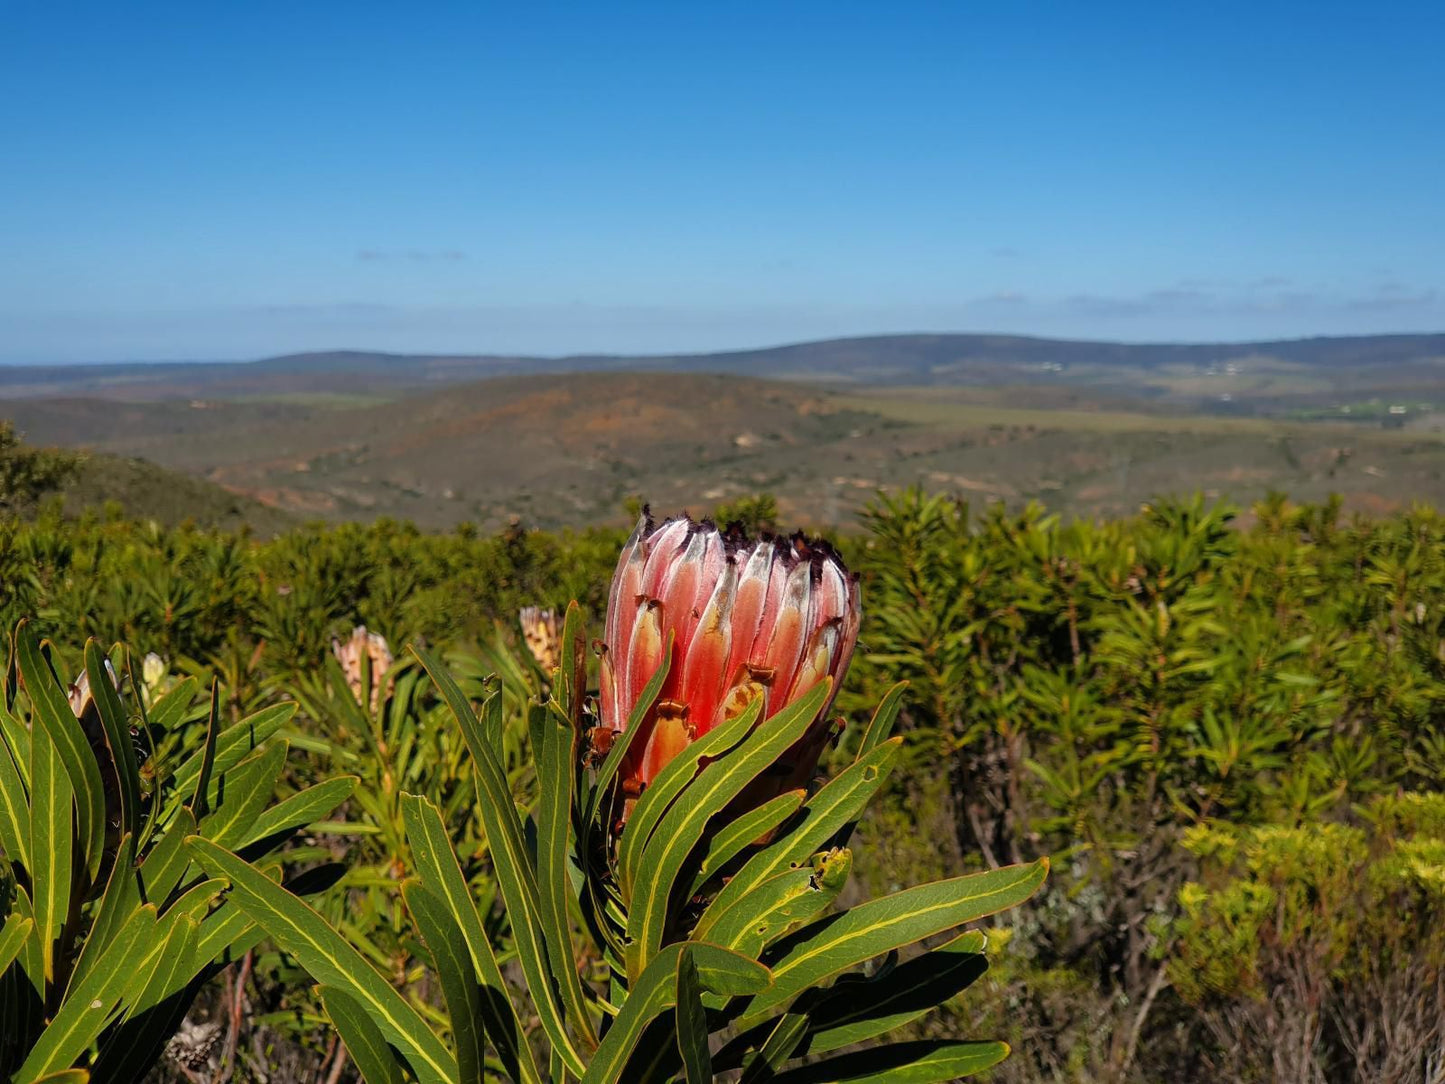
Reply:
x=509, y=855
x=556, y=778
x=17, y=736
x=781, y=902
x=50, y=843
x=692, y=1022
x=880, y=727
x=245, y=791
x=52, y=714
x=233, y=744
x=682, y=826
x=13, y=935
x=195, y=901
x=674, y=778
x=302, y=808
x=66, y=1076
x=227, y=929
x=117, y=737
x=719, y=971
x=856, y=1009
x=172, y=969
x=787, y=1032
x=31, y=955
x=364, y=1041
x=841, y=800
x=922, y=1062
x=14, y=808
x=738, y=835
x=440, y=871
x=324, y=953
x=163, y=868
x=572, y=665
x=173, y=706
x=463, y=997
x=120, y=900
x=871, y=929
x=91, y=1004
x=200, y=803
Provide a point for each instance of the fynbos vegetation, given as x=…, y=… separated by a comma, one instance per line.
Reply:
x=527, y=854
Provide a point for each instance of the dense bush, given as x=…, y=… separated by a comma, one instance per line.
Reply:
x=1229, y=739
x=1107, y=693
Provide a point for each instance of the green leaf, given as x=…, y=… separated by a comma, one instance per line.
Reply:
x=53, y=715
x=14, y=808
x=173, y=967
x=90, y=1004
x=921, y=1062
x=364, y=1041
x=683, y=826
x=674, y=778
x=555, y=778
x=199, y=804
x=117, y=736
x=840, y=801
x=299, y=930
x=437, y=864
x=31, y=955
x=737, y=836
x=655, y=992
x=785, y=1035
x=50, y=843
x=856, y=1009
x=233, y=744
x=509, y=856
x=879, y=926
x=794, y=896
x=302, y=808
x=163, y=868
x=13, y=936
x=65, y=1076
x=172, y=707
x=244, y=792
x=692, y=1022
x=120, y=900
x=880, y=727
x=463, y=997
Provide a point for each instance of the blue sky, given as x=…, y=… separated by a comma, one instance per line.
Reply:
x=208, y=180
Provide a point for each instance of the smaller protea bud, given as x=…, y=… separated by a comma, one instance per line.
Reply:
x=365, y=646
x=542, y=633
x=751, y=619
x=153, y=674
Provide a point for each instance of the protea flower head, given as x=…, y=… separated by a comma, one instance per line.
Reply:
x=542, y=633
x=370, y=647
x=751, y=618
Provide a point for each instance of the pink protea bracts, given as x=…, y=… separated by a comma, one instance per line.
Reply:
x=767, y=617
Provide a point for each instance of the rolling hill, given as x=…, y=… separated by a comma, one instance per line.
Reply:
x=558, y=450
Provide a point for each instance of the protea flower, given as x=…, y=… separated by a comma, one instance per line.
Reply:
x=542, y=633
x=751, y=618
x=370, y=647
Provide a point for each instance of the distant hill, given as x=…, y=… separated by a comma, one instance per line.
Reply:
x=569, y=450
x=1340, y=363
x=142, y=490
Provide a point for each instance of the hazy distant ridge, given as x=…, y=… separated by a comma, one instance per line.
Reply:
x=880, y=359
